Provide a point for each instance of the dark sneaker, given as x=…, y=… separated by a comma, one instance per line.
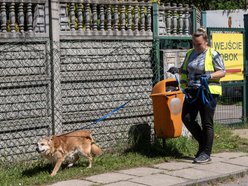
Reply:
x=202, y=158
x=200, y=150
x=198, y=153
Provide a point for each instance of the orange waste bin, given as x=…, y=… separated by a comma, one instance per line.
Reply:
x=167, y=100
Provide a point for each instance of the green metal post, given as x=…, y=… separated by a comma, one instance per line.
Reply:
x=194, y=21
x=245, y=67
x=156, y=44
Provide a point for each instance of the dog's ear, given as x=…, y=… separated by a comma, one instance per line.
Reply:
x=49, y=140
x=90, y=138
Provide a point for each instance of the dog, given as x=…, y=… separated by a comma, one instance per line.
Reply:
x=67, y=148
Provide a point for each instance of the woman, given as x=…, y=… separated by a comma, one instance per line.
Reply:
x=201, y=62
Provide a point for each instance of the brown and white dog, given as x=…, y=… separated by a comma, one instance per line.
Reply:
x=67, y=148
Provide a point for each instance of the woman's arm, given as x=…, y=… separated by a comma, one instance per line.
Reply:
x=218, y=74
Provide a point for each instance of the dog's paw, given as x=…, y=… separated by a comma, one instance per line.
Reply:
x=53, y=174
x=70, y=165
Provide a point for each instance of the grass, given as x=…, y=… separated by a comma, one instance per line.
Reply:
x=37, y=171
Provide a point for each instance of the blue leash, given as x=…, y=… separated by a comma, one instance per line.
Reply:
x=203, y=91
x=208, y=97
x=111, y=112
x=106, y=115
x=204, y=86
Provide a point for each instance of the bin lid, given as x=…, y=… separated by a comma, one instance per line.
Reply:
x=160, y=87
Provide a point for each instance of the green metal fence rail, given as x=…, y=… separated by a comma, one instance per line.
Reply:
x=246, y=66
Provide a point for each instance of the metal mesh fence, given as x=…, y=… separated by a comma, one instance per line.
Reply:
x=48, y=88
x=24, y=97
x=230, y=106
x=97, y=77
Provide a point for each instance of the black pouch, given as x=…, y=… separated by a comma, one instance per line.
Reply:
x=192, y=93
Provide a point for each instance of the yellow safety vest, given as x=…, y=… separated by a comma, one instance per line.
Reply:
x=213, y=84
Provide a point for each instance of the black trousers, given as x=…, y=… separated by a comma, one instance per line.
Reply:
x=204, y=133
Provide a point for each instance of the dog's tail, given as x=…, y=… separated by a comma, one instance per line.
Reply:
x=95, y=150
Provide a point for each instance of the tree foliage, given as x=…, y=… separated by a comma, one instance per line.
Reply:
x=212, y=4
